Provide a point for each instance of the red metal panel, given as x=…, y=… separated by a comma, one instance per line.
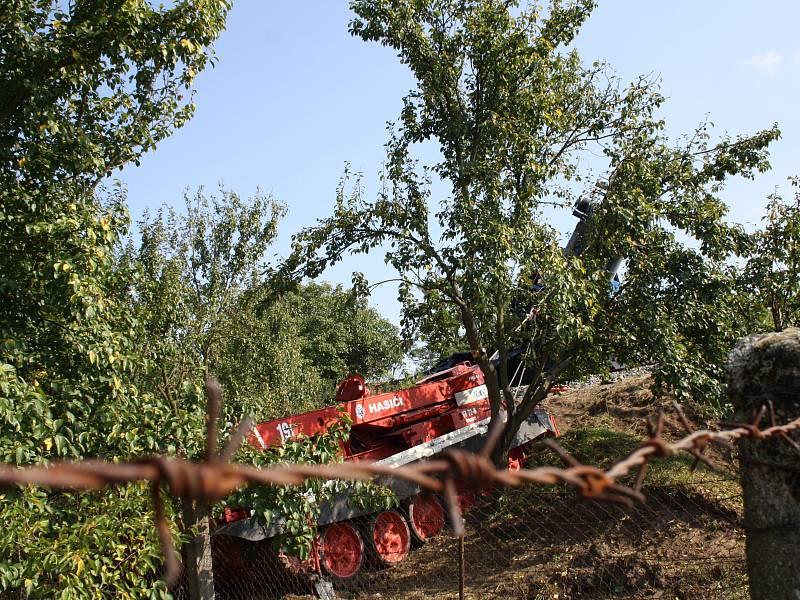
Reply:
x=421, y=433
x=273, y=433
x=469, y=379
x=374, y=408
x=376, y=412
x=467, y=415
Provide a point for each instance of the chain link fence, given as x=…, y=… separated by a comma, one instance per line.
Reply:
x=686, y=541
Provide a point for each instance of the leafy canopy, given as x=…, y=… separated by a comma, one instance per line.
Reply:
x=85, y=88
x=201, y=308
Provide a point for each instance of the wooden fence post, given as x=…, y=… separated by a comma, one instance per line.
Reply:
x=199, y=568
x=763, y=369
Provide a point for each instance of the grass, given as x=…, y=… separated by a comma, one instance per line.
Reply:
x=602, y=446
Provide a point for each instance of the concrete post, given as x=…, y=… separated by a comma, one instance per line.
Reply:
x=764, y=368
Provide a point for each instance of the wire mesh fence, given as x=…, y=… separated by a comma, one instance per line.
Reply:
x=686, y=541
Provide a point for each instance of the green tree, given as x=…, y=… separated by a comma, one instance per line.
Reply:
x=196, y=316
x=515, y=112
x=202, y=308
x=342, y=335
x=771, y=274
x=85, y=88
x=261, y=360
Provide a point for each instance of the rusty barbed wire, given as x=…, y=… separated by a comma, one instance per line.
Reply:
x=215, y=478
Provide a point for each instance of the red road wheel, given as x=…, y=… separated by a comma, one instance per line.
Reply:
x=425, y=517
x=341, y=550
x=466, y=496
x=388, y=538
x=516, y=458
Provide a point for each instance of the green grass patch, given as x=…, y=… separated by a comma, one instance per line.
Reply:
x=601, y=446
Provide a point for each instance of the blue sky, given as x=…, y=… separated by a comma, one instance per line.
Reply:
x=293, y=97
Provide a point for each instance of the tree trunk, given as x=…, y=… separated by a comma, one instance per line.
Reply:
x=199, y=568
x=762, y=369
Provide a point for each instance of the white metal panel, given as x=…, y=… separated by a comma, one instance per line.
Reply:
x=472, y=395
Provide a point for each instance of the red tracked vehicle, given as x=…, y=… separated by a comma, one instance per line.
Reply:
x=449, y=408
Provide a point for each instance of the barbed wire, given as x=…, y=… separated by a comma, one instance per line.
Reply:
x=214, y=478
